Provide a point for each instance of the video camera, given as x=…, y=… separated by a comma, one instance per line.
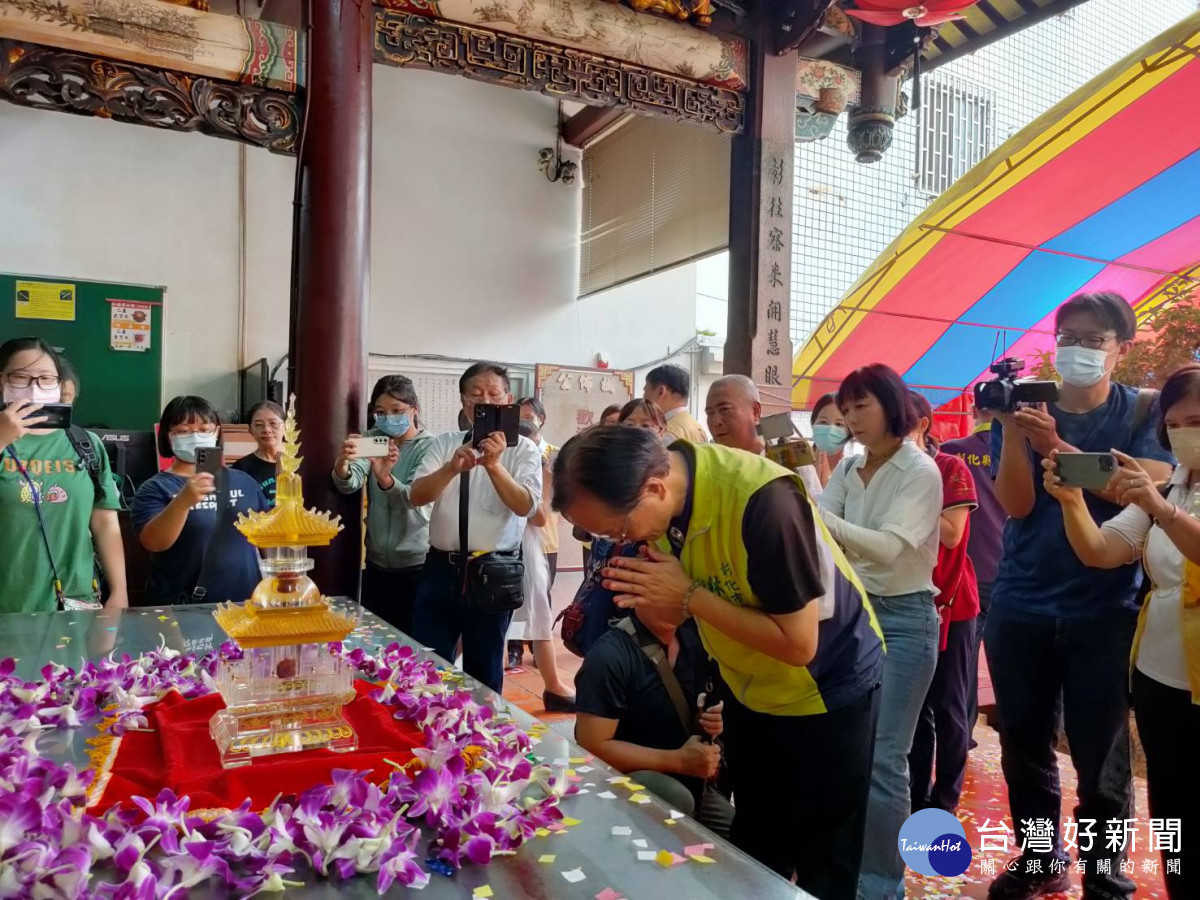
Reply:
x=1006, y=392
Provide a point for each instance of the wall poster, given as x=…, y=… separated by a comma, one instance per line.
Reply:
x=575, y=397
x=45, y=300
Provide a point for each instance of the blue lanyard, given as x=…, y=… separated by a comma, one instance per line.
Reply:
x=36, y=493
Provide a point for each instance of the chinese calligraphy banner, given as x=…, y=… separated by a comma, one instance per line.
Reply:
x=575, y=397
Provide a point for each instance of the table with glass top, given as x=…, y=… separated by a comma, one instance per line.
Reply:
x=607, y=860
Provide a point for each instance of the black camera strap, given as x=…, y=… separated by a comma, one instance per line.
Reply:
x=464, y=520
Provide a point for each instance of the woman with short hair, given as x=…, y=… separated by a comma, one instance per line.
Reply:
x=266, y=427
x=883, y=507
x=197, y=555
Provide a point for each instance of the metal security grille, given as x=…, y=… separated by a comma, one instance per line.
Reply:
x=957, y=130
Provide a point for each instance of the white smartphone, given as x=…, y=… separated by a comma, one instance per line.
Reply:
x=371, y=447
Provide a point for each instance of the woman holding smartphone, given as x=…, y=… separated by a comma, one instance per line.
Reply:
x=397, y=532
x=55, y=519
x=884, y=508
x=1158, y=526
x=197, y=555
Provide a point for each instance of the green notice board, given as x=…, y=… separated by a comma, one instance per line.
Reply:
x=102, y=329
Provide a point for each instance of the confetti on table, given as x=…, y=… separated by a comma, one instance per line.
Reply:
x=547, y=858
x=580, y=760
x=646, y=855
x=619, y=779
x=543, y=832
x=635, y=787
x=561, y=763
x=575, y=779
x=586, y=769
x=666, y=859
x=162, y=618
x=668, y=821
x=574, y=875
x=608, y=894
x=568, y=822
x=676, y=814
x=697, y=849
x=703, y=859
x=607, y=795
x=483, y=891
x=622, y=830
x=639, y=799
x=641, y=842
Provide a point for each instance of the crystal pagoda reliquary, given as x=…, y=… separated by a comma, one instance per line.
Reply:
x=288, y=691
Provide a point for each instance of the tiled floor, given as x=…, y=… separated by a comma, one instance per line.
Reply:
x=984, y=800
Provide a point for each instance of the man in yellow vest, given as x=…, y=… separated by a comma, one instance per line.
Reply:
x=734, y=542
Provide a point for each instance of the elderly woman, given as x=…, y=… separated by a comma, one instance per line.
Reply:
x=266, y=427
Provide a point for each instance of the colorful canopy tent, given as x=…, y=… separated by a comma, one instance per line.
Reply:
x=1100, y=193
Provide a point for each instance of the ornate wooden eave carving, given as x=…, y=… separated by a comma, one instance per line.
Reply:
x=423, y=43
x=163, y=34
x=49, y=78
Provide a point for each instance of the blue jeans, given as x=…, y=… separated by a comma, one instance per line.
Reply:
x=910, y=628
x=438, y=622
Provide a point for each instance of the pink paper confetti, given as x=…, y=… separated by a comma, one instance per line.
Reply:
x=608, y=894
x=697, y=849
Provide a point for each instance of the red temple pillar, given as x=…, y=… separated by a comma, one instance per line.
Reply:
x=328, y=348
x=760, y=228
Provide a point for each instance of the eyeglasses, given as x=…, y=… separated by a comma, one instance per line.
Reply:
x=1090, y=341
x=623, y=535
x=21, y=380
x=273, y=425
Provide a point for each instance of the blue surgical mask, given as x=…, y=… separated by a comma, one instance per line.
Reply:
x=184, y=446
x=1080, y=366
x=830, y=438
x=393, y=425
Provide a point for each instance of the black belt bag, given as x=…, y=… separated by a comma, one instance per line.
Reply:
x=490, y=582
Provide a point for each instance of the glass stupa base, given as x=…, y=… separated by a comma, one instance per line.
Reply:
x=283, y=699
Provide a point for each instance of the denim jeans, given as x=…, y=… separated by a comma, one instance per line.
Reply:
x=438, y=622
x=910, y=629
x=1041, y=666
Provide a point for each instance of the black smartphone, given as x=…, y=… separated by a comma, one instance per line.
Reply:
x=492, y=417
x=209, y=459
x=57, y=415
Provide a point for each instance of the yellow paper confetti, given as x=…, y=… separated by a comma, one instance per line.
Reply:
x=578, y=760
x=543, y=832
x=483, y=891
x=664, y=858
x=635, y=787
x=620, y=779
x=568, y=822
x=639, y=798
x=702, y=859
x=547, y=858
x=669, y=821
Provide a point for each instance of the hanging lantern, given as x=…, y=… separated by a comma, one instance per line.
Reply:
x=896, y=12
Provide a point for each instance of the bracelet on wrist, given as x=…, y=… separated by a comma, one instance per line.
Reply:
x=1163, y=523
x=687, y=598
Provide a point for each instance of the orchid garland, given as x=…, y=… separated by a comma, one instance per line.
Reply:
x=473, y=788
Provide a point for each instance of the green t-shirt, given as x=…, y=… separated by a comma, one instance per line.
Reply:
x=67, y=500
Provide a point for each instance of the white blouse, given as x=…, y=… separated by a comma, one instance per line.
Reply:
x=1160, y=654
x=903, y=503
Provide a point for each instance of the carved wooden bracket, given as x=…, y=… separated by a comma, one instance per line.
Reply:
x=47, y=78
x=418, y=42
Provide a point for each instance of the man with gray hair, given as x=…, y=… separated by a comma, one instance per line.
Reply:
x=734, y=411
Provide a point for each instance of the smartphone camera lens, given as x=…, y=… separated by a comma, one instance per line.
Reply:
x=1106, y=464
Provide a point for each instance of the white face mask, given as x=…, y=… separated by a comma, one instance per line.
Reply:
x=1185, y=444
x=1080, y=366
x=184, y=446
x=33, y=393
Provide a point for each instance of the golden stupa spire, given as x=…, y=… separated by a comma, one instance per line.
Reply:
x=289, y=524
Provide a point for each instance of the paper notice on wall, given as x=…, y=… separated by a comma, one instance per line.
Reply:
x=45, y=300
x=130, y=325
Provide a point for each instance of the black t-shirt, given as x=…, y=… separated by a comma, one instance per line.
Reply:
x=261, y=471
x=783, y=564
x=618, y=681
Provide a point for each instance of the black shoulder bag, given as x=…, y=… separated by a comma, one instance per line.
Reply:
x=213, y=545
x=490, y=582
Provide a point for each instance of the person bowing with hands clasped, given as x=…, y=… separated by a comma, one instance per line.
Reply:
x=1158, y=525
x=735, y=544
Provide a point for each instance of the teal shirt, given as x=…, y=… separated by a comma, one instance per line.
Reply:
x=397, y=534
x=67, y=499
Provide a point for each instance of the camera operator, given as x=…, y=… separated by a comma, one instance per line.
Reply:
x=1057, y=628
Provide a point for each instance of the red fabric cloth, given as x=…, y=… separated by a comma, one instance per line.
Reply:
x=181, y=755
x=954, y=575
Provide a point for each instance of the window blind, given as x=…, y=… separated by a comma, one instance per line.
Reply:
x=655, y=194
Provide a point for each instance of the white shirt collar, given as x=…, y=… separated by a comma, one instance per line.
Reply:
x=677, y=411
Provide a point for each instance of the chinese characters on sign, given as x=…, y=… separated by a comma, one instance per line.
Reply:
x=575, y=397
x=774, y=269
x=1099, y=853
